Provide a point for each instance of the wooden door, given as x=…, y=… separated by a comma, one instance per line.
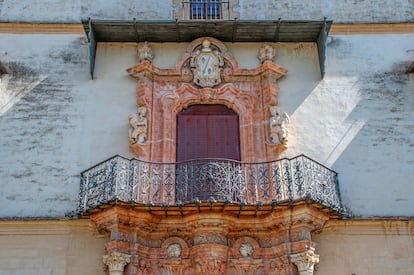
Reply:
x=205, y=131
x=208, y=131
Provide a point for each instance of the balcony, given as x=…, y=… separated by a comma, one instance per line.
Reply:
x=137, y=182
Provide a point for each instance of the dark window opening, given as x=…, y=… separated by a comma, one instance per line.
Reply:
x=206, y=9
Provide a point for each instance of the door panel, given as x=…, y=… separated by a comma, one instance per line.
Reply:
x=208, y=131
x=205, y=131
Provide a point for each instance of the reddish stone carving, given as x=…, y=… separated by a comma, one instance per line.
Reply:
x=249, y=92
x=209, y=238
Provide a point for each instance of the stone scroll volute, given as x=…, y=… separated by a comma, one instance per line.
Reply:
x=207, y=73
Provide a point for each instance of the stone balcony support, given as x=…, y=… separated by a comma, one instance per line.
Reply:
x=211, y=240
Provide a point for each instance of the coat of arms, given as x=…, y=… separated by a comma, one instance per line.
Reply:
x=206, y=65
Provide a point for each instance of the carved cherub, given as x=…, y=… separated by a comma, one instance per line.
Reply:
x=139, y=124
x=278, y=129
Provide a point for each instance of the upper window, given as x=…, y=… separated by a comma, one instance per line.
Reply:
x=206, y=9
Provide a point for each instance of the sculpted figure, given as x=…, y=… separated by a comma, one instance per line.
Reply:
x=174, y=250
x=246, y=250
x=278, y=121
x=145, y=53
x=138, y=123
x=267, y=52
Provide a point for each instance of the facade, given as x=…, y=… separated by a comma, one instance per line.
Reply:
x=210, y=137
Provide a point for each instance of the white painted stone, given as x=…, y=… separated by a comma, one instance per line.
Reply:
x=357, y=120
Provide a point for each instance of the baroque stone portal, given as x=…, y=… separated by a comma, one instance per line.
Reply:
x=208, y=74
x=208, y=237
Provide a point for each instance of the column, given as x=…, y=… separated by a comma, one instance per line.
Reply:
x=116, y=262
x=305, y=261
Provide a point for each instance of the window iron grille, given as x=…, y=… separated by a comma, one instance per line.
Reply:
x=206, y=9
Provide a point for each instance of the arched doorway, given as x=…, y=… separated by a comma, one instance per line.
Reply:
x=207, y=140
x=208, y=131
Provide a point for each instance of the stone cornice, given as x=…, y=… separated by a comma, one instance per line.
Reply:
x=336, y=28
x=45, y=227
x=377, y=226
x=41, y=28
x=371, y=28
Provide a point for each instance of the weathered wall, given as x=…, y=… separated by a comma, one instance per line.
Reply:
x=366, y=247
x=50, y=247
x=357, y=120
x=339, y=10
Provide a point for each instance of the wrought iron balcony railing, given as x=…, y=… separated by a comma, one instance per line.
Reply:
x=169, y=184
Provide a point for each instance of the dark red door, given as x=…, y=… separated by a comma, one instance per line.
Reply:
x=208, y=131
x=205, y=131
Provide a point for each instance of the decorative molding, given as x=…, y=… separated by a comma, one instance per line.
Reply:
x=41, y=28
x=336, y=28
x=371, y=28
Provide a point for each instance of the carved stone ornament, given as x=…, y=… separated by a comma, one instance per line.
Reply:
x=145, y=53
x=116, y=262
x=206, y=65
x=305, y=262
x=266, y=52
x=246, y=250
x=138, y=126
x=174, y=250
x=277, y=124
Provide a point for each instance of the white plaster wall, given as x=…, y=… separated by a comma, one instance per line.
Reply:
x=358, y=120
x=339, y=10
x=75, y=10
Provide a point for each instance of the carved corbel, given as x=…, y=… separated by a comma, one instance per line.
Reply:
x=116, y=262
x=305, y=262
